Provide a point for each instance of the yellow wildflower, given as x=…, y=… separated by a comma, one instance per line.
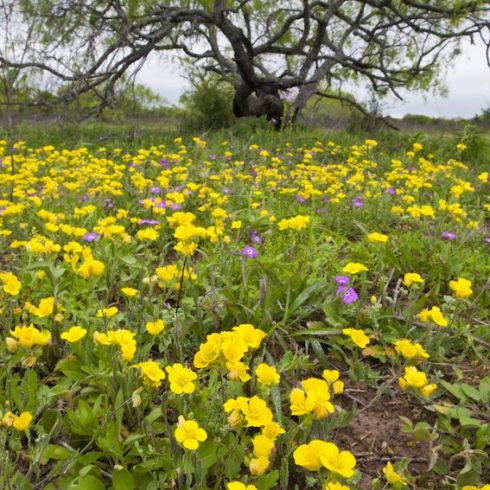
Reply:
x=74, y=334
x=412, y=278
x=357, y=336
x=181, y=379
x=188, y=433
x=461, y=288
x=155, y=327
x=354, y=268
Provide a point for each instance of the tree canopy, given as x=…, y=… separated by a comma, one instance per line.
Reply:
x=264, y=48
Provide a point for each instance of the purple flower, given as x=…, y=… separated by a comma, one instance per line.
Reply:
x=300, y=199
x=348, y=295
x=487, y=239
x=448, y=235
x=357, y=202
x=390, y=191
x=151, y=222
x=342, y=280
x=91, y=237
x=250, y=252
x=164, y=163
x=256, y=238
x=156, y=190
x=176, y=207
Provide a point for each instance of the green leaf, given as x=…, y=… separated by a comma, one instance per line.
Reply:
x=209, y=454
x=268, y=481
x=471, y=392
x=485, y=389
x=58, y=453
x=234, y=457
x=71, y=369
x=30, y=388
x=86, y=482
x=122, y=480
x=454, y=389
x=315, y=332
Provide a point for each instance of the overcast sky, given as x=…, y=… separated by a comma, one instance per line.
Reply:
x=468, y=83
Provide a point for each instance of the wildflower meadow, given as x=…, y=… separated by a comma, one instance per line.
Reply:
x=239, y=315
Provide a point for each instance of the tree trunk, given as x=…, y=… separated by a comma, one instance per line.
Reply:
x=263, y=101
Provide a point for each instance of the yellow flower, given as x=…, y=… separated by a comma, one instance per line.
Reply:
x=308, y=455
x=186, y=248
x=300, y=403
x=413, y=378
x=461, y=287
x=233, y=348
x=29, y=336
x=357, y=336
x=23, y=421
x=267, y=375
x=354, y=268
x=434, y=314
x=154, y=328
x=296, y=223
x=129, y=292
x=149, y=234
x=376, y=237
x=107, y=312
x=257, y=413
x=45, y=308
x=338, y=387
x=272, y=430
x=263, y=446
x=181, y=379
x=188, y=434
x=411, y=278
x=237, y=485
x=8, y=419
x=409, y=350
x=151, y=373
x=250, y=335
x=318, y=391
x=392, y=476
x=340, y=462
x=336, y=486
x=208, y=353
x=11, y=344
x=331, y=375
x=427, y=390
x=91, y=267
x=167, y=273
x=122, y=338
x=11, y=285
x=258, y=466
x=74, y=334
x=238, y=371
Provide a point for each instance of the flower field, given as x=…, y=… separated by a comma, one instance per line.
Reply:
x=225, y=315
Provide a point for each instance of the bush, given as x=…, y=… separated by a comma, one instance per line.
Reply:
x=208, y=105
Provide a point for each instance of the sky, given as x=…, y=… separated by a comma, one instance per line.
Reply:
x=468, y=83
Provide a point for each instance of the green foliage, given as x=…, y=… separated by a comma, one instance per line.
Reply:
x=208, y=105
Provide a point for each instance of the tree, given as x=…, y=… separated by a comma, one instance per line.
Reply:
x=264, y=48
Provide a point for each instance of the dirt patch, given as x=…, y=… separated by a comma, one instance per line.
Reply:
x=375, y=434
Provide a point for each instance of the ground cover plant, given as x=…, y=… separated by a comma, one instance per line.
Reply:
x=215, y=314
